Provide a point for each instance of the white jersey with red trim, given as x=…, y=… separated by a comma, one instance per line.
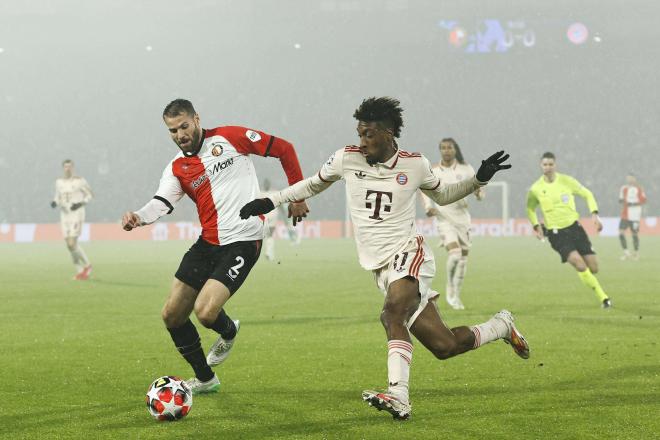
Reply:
x=632, y=197
x=381, y=198
x=455, y=213
x=220, y=179
x=69, y=191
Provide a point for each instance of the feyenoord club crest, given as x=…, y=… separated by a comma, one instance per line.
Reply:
x=216, y=150
x=401, y=179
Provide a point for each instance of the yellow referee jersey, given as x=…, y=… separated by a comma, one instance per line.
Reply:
x=557, y=201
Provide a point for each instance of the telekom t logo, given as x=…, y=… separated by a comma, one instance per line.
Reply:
x=379, y=203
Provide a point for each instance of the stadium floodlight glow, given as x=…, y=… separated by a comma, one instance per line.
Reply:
x=2, y=49
x=577, y=33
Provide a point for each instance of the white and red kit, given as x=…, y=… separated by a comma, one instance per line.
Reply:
x=632, y=197
x=220, y=179
x=381, y=201
x=453, y=221
x=68, y=192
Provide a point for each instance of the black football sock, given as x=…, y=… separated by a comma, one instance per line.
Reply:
x=622, y=239
x=224, y=325
x=636, y=242
x=187, y=342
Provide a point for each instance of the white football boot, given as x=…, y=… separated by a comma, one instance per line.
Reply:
x=515, y=339
x=219, y=351
x=399, y=409
x=199, y=387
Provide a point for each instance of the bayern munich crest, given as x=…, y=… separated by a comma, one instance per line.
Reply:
x=401, y=179
x=217, y=149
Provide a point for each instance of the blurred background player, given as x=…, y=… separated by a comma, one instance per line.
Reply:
x=72, y=193
x=453, y=220
x=271, y=222
x=554, y=194
x=214, y=169
x=293, y=233
x=382, y=182
x=632, y=197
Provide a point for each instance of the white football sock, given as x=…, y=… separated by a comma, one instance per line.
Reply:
x=453, y=256
x=75, y=256
x=399, y=356
x=82, y=258
x=459, y=275
x=489, y=331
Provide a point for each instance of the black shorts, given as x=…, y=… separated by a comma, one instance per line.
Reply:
x=229, y=264
x=567, y=240
x=625, y=224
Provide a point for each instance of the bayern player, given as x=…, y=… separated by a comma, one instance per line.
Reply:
x=381, y=183
x=214, y=169
x=554, y=194
x=453, y=221
x=72, y=193
x=632, y=197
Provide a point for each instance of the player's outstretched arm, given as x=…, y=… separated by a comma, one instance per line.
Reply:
x=300, y=191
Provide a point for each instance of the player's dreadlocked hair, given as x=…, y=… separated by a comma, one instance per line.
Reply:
x=177, y=107
x=459, y=153
x=385, y=111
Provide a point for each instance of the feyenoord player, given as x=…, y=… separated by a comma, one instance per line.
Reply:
x=72, y=193
x=214, y=169
x=453, y=220
x=381, y=182
x=632, y=197
x=554, y=194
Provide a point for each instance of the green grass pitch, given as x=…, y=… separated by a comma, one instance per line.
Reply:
x=77, y=357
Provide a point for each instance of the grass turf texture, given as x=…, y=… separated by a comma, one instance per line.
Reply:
x=77, y=357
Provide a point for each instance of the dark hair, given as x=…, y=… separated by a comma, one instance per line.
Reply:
x=385, y=111
x=459, y=153
x=177, y=107
x=548, y=155
x=66, y=161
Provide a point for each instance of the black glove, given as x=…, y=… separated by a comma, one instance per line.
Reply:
x=492, y=165
x=256, y=207
x=76, y=206
x=53, y=204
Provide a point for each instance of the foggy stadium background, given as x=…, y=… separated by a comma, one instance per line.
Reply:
x=88, y=81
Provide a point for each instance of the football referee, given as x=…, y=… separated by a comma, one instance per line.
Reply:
x=554, y=193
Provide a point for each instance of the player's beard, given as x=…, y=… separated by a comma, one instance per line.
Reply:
x=193, y=148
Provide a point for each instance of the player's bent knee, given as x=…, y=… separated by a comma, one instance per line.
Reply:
x=206, y=315
x=445, y=350
x=171, y=318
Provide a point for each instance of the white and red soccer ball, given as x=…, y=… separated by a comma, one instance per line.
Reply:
x=169, y=398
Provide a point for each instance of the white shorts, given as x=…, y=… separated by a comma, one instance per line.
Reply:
x=415, y=260
x=71, y=224
x=453, y=233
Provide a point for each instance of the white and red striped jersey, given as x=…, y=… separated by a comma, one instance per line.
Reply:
x=69, y=191
x=632, y=197
x=381, y=198
x=455, y=213
x=220, y=179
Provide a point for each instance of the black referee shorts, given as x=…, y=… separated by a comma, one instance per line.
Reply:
x=230, y=264
x=567, y=240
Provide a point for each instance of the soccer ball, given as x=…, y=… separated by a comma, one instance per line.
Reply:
x=169, y=398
